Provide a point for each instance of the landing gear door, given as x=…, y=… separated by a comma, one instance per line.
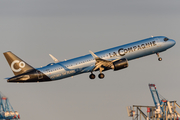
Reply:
x=40, y=75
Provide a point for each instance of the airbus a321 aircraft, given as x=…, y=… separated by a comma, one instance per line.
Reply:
x=114, y=58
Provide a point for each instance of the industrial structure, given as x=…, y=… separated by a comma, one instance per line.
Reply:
x=6, y=110
x=163, y=109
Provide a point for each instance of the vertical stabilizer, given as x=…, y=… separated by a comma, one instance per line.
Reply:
x=17, y=65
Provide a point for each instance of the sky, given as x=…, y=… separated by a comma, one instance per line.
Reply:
x=33, y=29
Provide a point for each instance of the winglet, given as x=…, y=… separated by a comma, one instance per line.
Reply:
x=55, y=60
x=95, y=56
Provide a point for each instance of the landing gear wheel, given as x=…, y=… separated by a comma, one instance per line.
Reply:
x=92, y=76
x=101, y=75
x=160, y=59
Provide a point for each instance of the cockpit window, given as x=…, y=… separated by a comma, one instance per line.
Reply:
x=166, y=39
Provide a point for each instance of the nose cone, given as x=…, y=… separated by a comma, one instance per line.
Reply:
x=171, y=42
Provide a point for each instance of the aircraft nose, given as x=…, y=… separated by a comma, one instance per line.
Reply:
x=172, y=42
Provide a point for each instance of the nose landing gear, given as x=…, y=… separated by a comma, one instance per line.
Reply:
x=159, y=58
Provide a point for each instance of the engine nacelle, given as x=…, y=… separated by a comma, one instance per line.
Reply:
x=120, y=64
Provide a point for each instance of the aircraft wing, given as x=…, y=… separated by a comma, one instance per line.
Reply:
x=101, y=63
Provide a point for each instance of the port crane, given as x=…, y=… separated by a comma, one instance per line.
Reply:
x=6, y=110
x=162, y=109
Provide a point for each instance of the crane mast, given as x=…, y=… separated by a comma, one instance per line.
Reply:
x=6, y=110
x=162, y=109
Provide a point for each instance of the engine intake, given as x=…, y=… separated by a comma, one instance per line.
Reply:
x=120, y=64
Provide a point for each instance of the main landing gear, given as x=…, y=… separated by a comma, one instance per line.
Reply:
x=101, y=75
x=92, y=76
x=159, y=58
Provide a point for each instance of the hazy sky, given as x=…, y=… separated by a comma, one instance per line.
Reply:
x=32, y=29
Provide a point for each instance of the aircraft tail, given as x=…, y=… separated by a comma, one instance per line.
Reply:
x=17, y=65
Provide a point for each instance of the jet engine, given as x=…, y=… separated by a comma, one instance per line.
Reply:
x=120, y=64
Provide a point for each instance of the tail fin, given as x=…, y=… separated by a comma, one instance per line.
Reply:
x=17, y=65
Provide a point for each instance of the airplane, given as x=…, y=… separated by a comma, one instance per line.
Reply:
x=114, y=58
